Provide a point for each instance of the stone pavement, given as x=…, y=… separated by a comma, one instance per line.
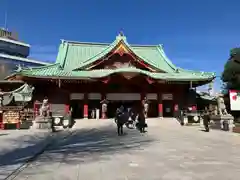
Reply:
x=18, y=146
x=166, y=152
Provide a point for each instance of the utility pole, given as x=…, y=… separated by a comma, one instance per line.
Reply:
x=5, y=23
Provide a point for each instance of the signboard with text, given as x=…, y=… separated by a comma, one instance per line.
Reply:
x=234, y=96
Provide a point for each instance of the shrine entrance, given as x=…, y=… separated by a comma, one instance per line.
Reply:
x=113, y=105
x=128, y=100
x=94, y=105
x=153, y=109
x=77, y=109
x=168, y=109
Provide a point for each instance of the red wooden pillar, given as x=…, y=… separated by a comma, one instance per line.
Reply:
x=67, y=109
x=85, y=106
x=160, y=105
x=175, y=109
x=36, y=109
x=176, y=99
x=85, y=111
x=18, y=125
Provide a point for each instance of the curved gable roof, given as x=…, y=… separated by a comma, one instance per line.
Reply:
x=74, y=55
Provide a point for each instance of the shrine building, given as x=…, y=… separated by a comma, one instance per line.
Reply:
x=85, y=74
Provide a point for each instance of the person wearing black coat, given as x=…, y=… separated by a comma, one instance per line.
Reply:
x=141, y=122
x=206, y=120
x=120, y=120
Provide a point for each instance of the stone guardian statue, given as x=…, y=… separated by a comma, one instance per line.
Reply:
x=44, y=109
x=104, y=103
x=221, y=107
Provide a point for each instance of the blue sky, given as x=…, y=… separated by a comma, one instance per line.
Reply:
x=196, y=34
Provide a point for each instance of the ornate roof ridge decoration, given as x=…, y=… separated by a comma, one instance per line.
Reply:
x=71, y=42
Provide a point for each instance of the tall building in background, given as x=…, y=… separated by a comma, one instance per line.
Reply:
x=14, y=53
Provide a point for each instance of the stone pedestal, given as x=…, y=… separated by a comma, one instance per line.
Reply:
x=185, y=120
x=201, y=122
x=221, y=121
x=41, y=123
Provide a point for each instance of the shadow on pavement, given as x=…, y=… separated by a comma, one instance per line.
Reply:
x=86, y=146
x=83, y=146
x=22, y=148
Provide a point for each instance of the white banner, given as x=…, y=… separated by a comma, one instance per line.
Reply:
x=234, y=100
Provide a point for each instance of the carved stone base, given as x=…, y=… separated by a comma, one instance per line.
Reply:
x=223, y=122
x=42, y=123
x=201, y=123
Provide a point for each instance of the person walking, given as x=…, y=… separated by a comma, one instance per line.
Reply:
x=141, y=121
x=206, y=119
x=120, y=120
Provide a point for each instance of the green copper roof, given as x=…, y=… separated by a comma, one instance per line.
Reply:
x=73, y=57
x=56, y=71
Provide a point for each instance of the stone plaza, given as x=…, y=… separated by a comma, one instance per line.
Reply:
x=167, y=151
